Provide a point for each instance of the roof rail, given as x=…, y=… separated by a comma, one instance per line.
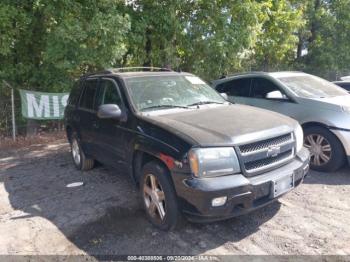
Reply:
x=139, y=68
x=96, y=73
x=246, y=73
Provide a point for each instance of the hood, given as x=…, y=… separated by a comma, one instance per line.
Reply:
x=224, y=125
x=330, y=103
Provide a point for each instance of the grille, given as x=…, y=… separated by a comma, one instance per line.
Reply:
x=246, y=149
x=267, y=161
x=266, y=154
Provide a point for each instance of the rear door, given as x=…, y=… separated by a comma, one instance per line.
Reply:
x=110, y=133
x=88, y=116
x=237, y=90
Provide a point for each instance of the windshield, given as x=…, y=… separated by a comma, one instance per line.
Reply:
x=309, y=86
x=162, y=92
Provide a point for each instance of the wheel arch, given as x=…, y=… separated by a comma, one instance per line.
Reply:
x=142, y=157
x=314, y=124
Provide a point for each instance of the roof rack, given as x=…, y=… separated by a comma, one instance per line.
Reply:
x=96, y=73
x=245, y=73
x=256, y=72
x=138, y=68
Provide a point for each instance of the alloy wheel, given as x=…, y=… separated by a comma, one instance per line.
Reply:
x=76, y=152
x=154, y=198
x=320, y=149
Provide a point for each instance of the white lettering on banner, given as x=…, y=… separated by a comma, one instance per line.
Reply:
x=38, y=108
x=56, y=106
x=64, y=100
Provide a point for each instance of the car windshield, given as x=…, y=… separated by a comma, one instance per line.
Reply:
x=309, y=86
x=164, y=92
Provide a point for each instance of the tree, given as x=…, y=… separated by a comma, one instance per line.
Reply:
x=45, y=45
x=205, y=37
x=326, y=38
x=276, y=47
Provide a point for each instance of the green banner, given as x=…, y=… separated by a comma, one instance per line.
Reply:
x=43, y=106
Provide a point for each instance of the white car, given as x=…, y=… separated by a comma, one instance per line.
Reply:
x=321, y=107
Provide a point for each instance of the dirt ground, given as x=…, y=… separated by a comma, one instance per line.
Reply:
x=40, y=215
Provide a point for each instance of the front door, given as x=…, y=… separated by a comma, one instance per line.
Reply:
x=258, y=97
x=87, y=117
x=253, y=91
x=110, y=133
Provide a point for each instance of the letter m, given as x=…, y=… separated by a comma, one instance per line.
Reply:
x=34, y=107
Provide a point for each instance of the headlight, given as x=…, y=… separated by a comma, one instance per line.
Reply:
x=218, y=161
x=299, y=137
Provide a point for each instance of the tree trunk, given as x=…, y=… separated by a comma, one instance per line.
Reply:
x=148, y=48
x=300, y=46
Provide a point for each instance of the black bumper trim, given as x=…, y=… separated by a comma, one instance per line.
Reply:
x=244, y=194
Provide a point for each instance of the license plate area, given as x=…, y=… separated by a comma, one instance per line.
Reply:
x=282, y=185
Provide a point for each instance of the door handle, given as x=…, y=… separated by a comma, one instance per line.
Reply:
x=95, y=124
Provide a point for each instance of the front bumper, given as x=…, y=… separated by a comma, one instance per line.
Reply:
x=244, y=194
x=344, y=137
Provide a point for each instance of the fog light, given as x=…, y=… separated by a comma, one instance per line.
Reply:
x=219, y=201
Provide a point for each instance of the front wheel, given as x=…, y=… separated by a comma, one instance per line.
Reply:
x=327, y=153
x=158, y=195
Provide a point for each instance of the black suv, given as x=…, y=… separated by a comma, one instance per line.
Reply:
x=189, y=150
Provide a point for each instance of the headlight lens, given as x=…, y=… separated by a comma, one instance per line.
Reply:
x=218, y=161
x=299, y=137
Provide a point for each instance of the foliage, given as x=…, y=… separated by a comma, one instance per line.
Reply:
x=328, y=38
x=44, y=45
x=277, y=41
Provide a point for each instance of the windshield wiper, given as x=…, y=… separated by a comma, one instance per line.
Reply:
x=205, y=103
x=163, y=106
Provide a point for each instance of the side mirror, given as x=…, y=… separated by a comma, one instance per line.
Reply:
x=109, y=111
x=224, y=95
x=276, y=95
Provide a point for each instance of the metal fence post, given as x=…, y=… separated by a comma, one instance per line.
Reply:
x=13, y=110
x=13, y=115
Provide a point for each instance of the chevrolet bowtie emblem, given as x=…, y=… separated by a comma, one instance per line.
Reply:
x=273, y=151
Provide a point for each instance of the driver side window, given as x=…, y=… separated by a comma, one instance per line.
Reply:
x=109, y=94
x=262, y=86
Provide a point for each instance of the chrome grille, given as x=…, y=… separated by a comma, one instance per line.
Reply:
x=254, y=165
x=266, y=154
x=246, y=149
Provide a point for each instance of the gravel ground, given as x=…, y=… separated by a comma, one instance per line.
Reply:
x=40, y=215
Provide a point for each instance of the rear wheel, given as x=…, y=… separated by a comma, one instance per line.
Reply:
x=158, y=195
x=327, y=153
x=80, y=160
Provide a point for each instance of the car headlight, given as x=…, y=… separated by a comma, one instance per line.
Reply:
x=209, y=162
x=299, y=137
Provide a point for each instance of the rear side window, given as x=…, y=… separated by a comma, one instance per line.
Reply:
x=74, y=94
x=87, y=101
x=237, y=87
x=109, y=93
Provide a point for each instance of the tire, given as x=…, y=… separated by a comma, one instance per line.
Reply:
x=169, y=204
x=80, y=160
x=330, y=146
